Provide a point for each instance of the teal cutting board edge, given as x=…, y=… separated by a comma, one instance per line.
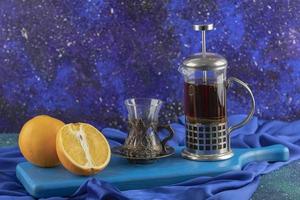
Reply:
x=48, y=182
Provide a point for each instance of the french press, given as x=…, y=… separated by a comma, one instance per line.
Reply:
x=205, y=85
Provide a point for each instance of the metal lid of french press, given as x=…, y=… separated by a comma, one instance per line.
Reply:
x=205, y=60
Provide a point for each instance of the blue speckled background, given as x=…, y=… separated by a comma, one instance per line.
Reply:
x=78, y=60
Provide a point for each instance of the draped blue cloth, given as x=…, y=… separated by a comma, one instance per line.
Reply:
x=238, y=184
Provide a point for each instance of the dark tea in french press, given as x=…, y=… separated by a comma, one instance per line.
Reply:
x=205, y=102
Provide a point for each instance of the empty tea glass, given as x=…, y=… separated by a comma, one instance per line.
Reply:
x=143, y=140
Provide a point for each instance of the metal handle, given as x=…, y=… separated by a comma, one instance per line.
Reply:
x=245, y=121
x=168, y=137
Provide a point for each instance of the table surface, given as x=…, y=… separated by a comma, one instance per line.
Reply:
x=283, y=184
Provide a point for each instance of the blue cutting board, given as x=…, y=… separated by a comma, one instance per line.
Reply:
x=47, y=182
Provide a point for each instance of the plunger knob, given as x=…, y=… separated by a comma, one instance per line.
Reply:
x=203, y=27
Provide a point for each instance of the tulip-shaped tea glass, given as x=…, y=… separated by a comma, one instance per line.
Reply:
x=143, y=142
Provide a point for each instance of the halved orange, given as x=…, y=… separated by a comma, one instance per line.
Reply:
x=82, y=149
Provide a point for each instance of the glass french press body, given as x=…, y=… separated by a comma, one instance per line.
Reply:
x=205, y=85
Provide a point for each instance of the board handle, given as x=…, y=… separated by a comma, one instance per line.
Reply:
x=273, y=153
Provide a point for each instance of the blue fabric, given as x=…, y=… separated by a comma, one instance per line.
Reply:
x=237, y=184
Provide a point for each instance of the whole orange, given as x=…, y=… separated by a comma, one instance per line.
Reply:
x=37, y=140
